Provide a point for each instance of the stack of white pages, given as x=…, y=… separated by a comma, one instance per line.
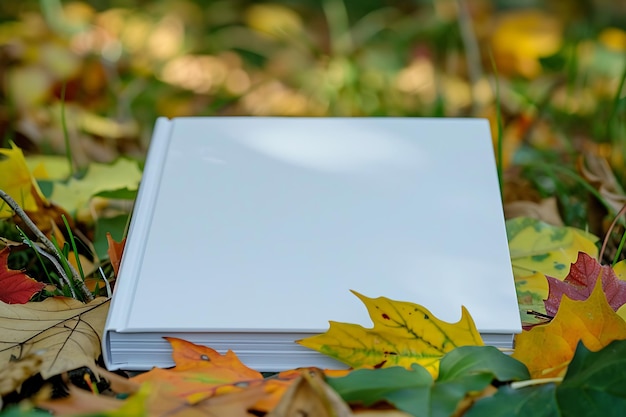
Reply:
x=249, y=233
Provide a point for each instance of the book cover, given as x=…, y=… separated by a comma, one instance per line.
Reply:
x=248, y=233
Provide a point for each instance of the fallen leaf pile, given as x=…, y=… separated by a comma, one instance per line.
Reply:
x=81, y=88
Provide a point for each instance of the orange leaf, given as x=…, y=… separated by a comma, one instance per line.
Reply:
x=15, y=286
x=115, y=252
x=547, y=349
x=236, y=404
x=200, y=371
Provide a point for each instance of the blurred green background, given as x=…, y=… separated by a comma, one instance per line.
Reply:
x=549, y=77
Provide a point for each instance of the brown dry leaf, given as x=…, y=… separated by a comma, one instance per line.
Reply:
x=546, y=210
x=518, y=188
x=154, y=400
x=79, y=402
x=16, y=372
x=598, y=172
x=66, y=331
x=309, y=395
x=118, y=383
x=48, y=217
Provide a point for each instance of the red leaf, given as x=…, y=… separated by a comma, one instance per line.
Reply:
x=15, y=286
x=580, y=281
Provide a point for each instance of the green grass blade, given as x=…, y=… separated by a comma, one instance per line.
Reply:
x=74, y=248
x=499, y=146
x=616, y=100
x=66, y=136
x=31, y=244
x=619, y=249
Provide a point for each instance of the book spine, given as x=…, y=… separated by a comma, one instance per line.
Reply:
x=125, y=286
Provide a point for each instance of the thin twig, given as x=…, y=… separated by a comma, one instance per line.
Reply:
x=57, y=265
x=472, y=51
x=48, y=245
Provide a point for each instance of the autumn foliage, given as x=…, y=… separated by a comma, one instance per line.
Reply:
x=81, y=88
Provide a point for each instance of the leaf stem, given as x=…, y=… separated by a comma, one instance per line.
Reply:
x=538, y=381
x=48, y=245
x=608, y=234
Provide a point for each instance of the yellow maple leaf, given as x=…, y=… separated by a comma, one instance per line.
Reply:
x=548, y=349
x=403, y=334
x=20, y=184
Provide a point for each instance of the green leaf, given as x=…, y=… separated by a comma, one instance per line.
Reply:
x=468, y=360
x=446, y=395
x=539, y=247
x=463, y=370
x=116, y=226
x=100, y=178
x=471, y=369
x=408, y=390
x=533, y=401
x=121, y=194
x=595, y=384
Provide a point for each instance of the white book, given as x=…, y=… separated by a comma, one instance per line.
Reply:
x=248, y=233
